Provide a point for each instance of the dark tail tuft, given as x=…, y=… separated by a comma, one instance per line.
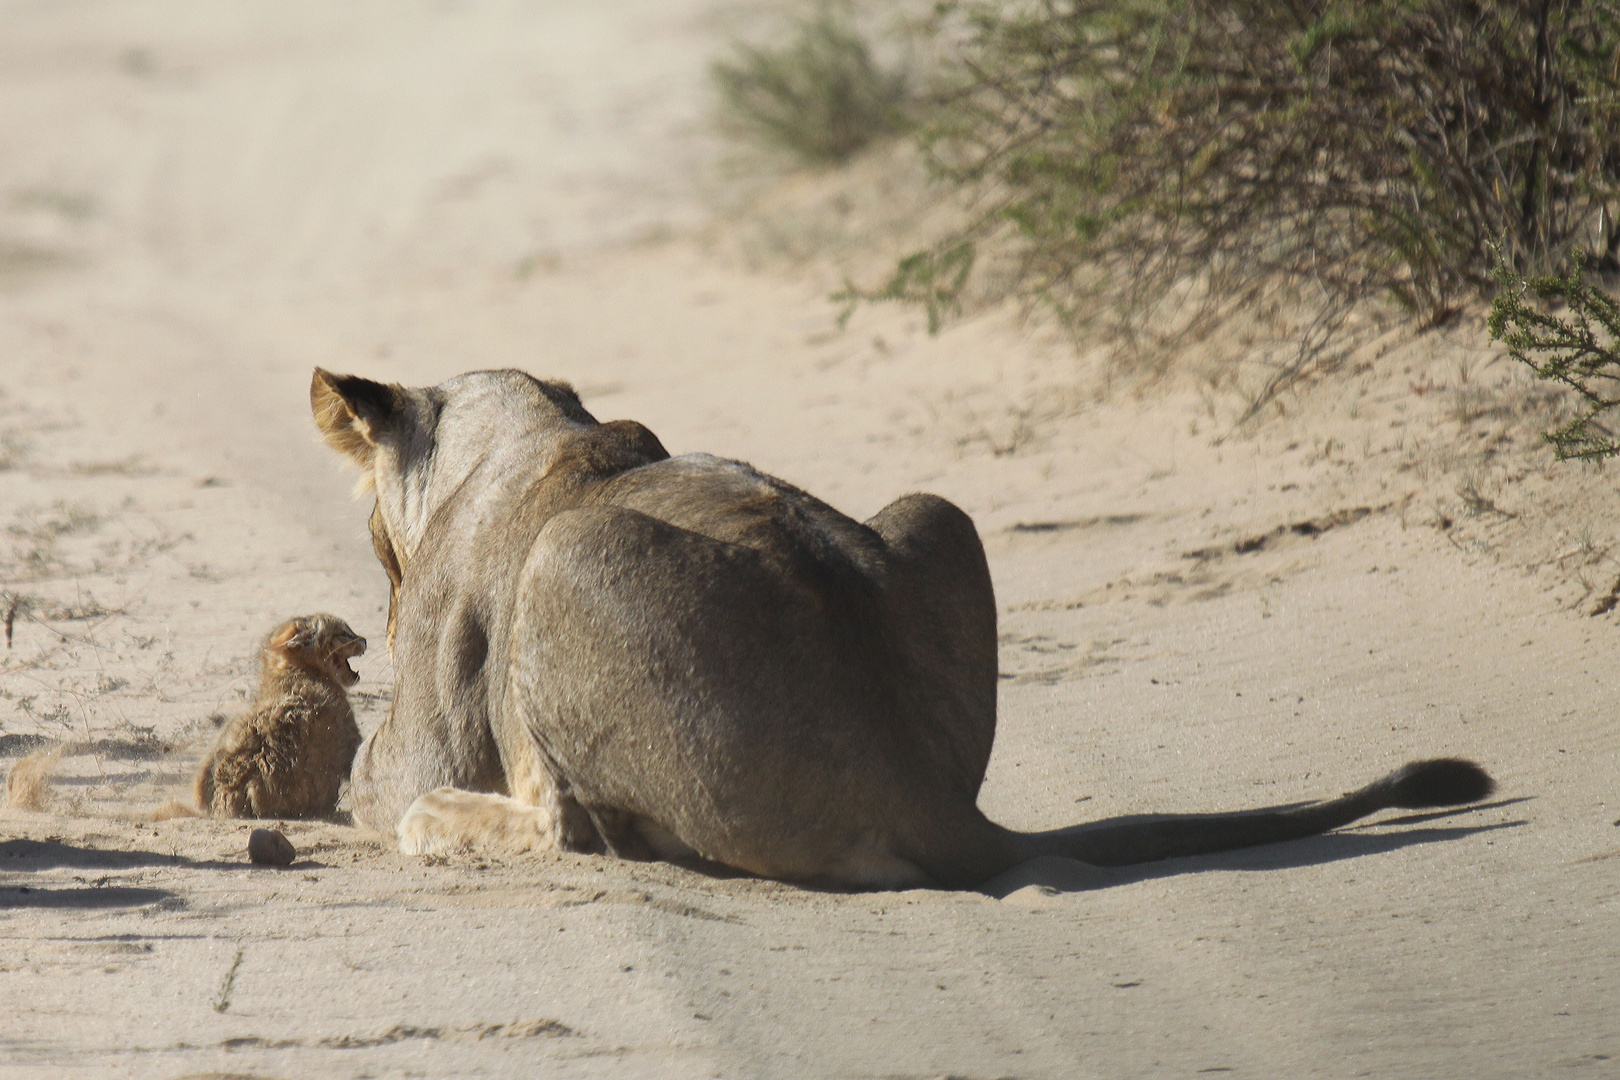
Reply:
x=1440, y=782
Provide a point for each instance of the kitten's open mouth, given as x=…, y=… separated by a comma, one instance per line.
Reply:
x=348, y=652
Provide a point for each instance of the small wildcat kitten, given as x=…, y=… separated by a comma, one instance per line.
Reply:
x=288, y=755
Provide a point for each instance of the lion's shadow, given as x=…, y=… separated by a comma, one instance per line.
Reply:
x=1060, y=875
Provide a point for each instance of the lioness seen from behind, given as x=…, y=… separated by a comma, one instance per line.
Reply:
x=602, y=648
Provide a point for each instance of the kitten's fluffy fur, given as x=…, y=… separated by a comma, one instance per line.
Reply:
x=289, y=754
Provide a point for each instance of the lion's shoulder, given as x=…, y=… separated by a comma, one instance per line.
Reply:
x=604, y=451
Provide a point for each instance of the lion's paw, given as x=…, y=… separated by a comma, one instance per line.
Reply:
x=448, y=820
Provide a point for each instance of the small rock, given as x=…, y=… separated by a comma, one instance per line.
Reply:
x=267, y=847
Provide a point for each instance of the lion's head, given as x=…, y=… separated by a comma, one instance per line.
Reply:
x=416, y=446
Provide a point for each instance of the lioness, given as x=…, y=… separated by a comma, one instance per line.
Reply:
x=599, y=647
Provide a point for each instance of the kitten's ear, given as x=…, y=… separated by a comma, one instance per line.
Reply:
x=353, y=413
x=283, y=636
x=291, y=636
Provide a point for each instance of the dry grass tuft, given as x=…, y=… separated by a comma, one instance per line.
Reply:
x=822, y=96
x=171, y=809
x=28, y=785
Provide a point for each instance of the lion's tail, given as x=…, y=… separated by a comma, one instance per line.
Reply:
x=1419, y=785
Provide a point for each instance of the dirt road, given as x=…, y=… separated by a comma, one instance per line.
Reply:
x=198, y=202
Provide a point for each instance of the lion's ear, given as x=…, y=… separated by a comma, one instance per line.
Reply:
x=352, y=412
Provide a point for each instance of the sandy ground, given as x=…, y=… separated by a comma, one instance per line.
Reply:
x=198, y=202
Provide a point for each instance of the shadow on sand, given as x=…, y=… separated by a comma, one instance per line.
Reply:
x=1049, y=875
x=21, y=858
x=83, y=897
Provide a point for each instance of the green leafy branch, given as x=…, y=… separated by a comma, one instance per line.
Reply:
x=1575, y=347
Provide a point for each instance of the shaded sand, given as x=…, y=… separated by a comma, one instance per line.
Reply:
x=198, y=202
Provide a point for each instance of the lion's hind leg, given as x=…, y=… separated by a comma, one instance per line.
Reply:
x=447, y=820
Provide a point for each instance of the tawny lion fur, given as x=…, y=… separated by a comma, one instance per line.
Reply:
x=288, y=755
x=599, y=647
